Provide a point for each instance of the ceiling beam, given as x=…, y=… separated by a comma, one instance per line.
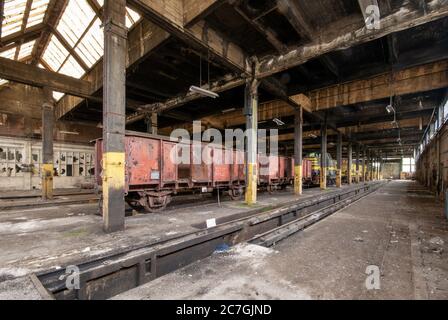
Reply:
x=405, y=18
x=34, y=76
x=69, y=49
x=268, y=34
x=54, y=13
x=412, y=80
x=169, y=16
x=29, y=34
x=298, y=21
x=143, y=39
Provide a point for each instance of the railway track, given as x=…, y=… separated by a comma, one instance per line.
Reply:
x=106, y=277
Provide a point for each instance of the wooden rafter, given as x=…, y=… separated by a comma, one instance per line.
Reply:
x=69, y=48
x=54, y=13
x=26, y=15
x=268, y=34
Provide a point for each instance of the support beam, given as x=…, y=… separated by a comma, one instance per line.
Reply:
x=251, y=113
x=298, y=152
x=358, y=153
x=295, y=17
x=152, y=123
x=349, y=163
x=169, y=16
x=363, y=164
x=339, y=162
x=405, y=18
x=34, y=76
x=47, y=144
x=267, y=33
x=407, y=81
x=323, y=157
x=56, y=9
x=115, y=42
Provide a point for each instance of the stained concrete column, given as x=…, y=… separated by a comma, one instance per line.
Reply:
x=251, y=113
x=47, y=144
x=368, y=166
x=349, y=163
x=298, y=152
x=363, y=165
x=152, y=123
x=323, y=157
x=115, y=43
x=358, y=153
x=339, y=161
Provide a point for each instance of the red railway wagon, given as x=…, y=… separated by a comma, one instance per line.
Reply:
x=152, y=177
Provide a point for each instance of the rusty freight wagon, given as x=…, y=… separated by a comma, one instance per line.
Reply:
x=152, y=177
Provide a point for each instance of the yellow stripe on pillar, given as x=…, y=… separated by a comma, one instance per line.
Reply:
x=113, y=174
x=339, y=178
x=47, y=180
x=298, y=180
x=252, y=183
x=323, y=179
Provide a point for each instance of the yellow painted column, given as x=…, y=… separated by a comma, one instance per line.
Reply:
x=339, y=178
x=47, y=166
x=323, y=157
x=298, y=180
x=298, y=152
x=114, y=115
x=339, y=162
x=251, y=113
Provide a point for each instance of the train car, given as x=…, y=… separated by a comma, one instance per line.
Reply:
x=152, y=178
x=344, y=171
x=275, y=172
x=314, y=159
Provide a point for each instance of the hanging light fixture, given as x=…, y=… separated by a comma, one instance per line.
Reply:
x=198, y=89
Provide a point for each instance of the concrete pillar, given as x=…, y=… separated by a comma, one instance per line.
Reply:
x=251, y=113
x=323, y=157
x=47, y=168
x=368, y=166
x=349, y=163
x=114, y=113
x=363, y=165
x=152, y=123
x=358, y=153
x=298, y=152
x=339, y=162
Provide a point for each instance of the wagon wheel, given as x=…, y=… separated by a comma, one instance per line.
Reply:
x=156, y=204
x=236, y=194
x=271, y=189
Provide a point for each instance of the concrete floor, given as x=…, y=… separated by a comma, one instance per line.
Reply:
x=41, y=239
x=400, y=229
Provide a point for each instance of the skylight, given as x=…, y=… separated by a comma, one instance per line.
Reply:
x=26, y=49
x=78, y=44
x=37, y=13
x=14, y=11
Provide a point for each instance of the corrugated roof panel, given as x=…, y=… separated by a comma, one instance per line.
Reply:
x=72, y=68
x=75, y=20
x=26, y=49
x=90, y=48
x=10, y=54
x=37, y=13
x=13, y=16
x=55, y=54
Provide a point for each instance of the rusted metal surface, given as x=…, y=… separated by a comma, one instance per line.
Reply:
x=152, y=175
